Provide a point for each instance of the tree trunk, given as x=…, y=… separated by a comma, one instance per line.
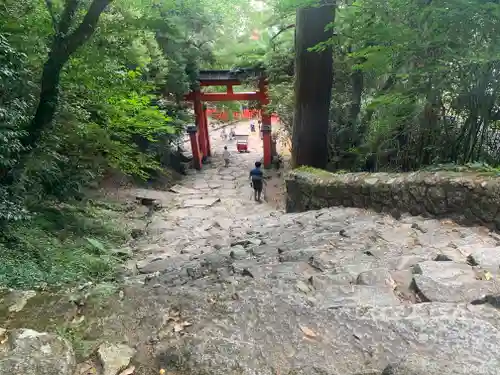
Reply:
x=313, y=86
x=63, y=46
x=47, y=105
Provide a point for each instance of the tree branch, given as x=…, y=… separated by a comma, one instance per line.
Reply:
x=62, y=47
x=85, y=30
x=282, y=30
x=50, y=8
x=67, y=16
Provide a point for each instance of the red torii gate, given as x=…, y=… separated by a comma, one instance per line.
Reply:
x=200, y=139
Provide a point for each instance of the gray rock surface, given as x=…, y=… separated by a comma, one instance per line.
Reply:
x=451, y=282
x=27, y=352
x=153, y=265
x=469, y=198
x=486, y=257
x=350, y=291
x=293, y=336
x=439, y=363
x=114, y=357
x=237, y=287
x=376, y=276
x=19, y=299
x=331, y=291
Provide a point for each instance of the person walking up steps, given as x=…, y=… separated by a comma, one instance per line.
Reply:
x=226, y=155
x=257, y=177
x=223, y=134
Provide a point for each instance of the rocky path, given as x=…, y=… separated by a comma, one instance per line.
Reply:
x=221, y=285
x=209, y=209
x=336, y=291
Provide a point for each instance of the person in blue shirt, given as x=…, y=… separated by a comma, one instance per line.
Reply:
x=257, y=177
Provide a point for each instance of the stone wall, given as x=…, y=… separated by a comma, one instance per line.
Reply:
x=468, y=198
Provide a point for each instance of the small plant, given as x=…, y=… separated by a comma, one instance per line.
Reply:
x=81, y=347
x=68, y=244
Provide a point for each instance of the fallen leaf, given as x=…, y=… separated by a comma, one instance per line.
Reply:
x=483, y=275
x=178, y=327
x=85, y=368
x=3, y=336
x=310, y=339
x=128, y=371
x=78, y=320
x=307, y=331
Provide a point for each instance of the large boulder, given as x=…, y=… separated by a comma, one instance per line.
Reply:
x=268, y=333
x=450, y=282
x=27, y=352
x=114, y=357
x=376, y=276
x=488, y=258
x=462, y=364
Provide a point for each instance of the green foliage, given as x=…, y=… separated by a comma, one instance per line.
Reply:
x=315, y=171
x=59, y=245
x=14, y=81
x=12, y=106
x=427, y=84
x=119, y=110
x=410, y=90
x=83, y=349
x=279, y=64
x=481, y=168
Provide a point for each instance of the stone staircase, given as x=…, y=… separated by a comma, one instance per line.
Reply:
x=222, y=285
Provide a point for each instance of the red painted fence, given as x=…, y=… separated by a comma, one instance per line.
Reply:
x=246, y=114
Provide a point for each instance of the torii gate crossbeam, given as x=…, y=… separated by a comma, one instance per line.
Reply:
x=200, y=139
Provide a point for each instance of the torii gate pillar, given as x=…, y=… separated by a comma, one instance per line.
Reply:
x=200, y=138
x=192, y=130
x=266, y=124
x=200, y=124
x=207, y=136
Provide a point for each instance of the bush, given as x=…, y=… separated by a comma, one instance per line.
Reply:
x=60, y=245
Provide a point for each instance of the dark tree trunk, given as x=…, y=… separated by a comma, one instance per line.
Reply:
x=63, y=46
x=313, y=86
x=47, y=105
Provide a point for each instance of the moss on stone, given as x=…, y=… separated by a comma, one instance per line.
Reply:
x=469, y=197
x=315, y=171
